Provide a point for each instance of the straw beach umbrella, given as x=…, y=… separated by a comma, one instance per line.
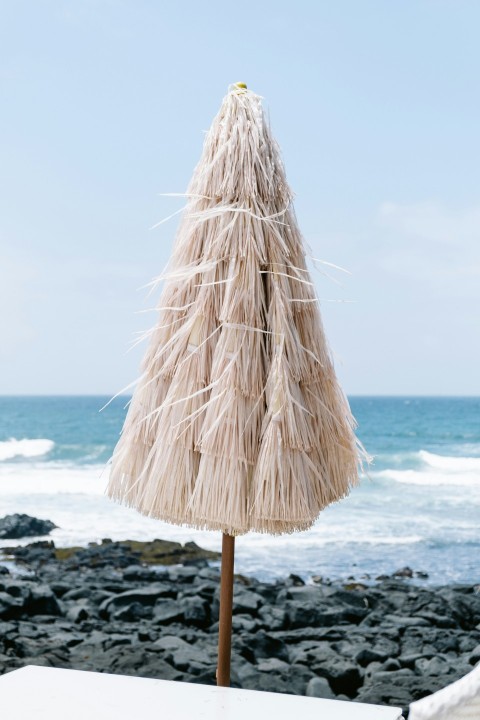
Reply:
x=237, y=422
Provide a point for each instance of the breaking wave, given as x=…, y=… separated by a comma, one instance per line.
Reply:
x=26, y=448
x=437, y=470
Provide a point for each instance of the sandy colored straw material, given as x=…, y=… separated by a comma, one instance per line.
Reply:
x=237, y=422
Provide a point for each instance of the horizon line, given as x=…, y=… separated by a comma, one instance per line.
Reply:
x=351, y=395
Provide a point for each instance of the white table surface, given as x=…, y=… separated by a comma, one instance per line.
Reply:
x=40, y=693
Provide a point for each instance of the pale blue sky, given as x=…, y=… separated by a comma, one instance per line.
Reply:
x=376, y=106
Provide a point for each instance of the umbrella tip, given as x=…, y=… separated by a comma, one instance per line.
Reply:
x=240, y=86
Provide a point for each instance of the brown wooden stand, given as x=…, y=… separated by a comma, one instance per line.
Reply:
x=225, y=620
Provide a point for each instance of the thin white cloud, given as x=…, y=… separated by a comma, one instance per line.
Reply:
x=16, y=328
x=429, y=241
x=431, y=222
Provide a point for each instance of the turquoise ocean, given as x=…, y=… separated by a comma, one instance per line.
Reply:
x=419, y=505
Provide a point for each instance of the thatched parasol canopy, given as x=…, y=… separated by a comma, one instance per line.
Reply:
x=238, y=422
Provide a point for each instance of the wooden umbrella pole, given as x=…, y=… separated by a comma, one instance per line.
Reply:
x=225, y=620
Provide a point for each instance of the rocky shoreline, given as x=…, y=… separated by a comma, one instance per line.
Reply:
x=151, y=609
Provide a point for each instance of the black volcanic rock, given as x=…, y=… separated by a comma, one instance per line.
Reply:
x=116, y=607
x=18, y=525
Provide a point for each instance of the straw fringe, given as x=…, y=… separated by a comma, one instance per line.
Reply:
x=237, y=422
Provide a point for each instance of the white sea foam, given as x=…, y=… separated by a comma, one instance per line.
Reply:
x=73, y=497
x=52, y=479
x=27, y=448
x=324, y=535
x=420, y=477
x=371, y=527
